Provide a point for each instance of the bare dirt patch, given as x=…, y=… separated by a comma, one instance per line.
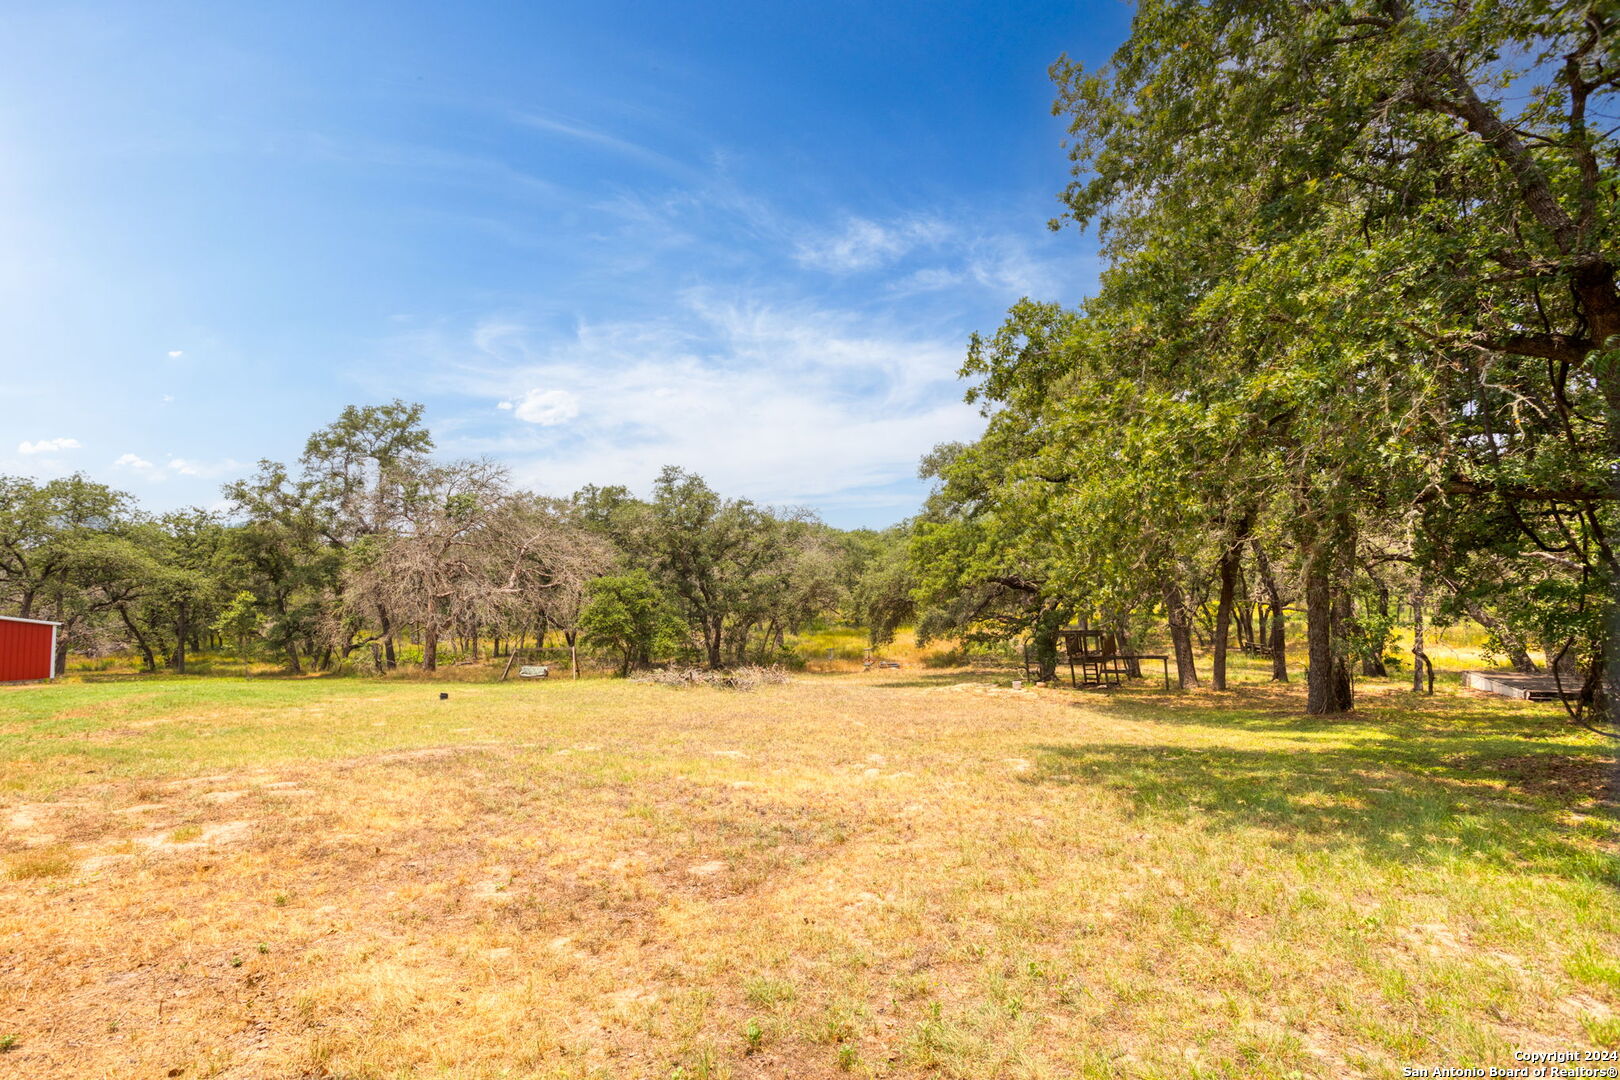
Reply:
x=196, y=838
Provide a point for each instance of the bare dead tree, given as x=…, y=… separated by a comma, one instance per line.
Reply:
x=433, y=573
x=543, y=561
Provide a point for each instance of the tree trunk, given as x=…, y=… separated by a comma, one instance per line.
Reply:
x=1043, y=634
x=1513, y=645
x=1223, y=612
x=1328, y=690
x=1175, y=606
x=389, y=658
x=572, y=637
x=1344, y=632
x=430, y=649
x=1133, y=666
x=713, y=640
x=1595, y=691
x=1244, y=611
x=141, y=643
x=178, y=661
x=1372, y=653
x=1279, y=646
x=1421, y=664
x=1278, y=639
x=1418, y=655
x=1318, y=640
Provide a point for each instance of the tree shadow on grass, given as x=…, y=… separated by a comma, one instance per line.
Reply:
x=1409, y=777
x=1271, y=707
x=1398, y=801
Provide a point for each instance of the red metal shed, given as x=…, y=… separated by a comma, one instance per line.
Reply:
x=27, y=649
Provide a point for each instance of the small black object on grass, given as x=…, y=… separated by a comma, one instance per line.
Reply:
x=444, y=697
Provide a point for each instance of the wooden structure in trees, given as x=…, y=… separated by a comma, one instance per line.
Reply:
x=1095, y=659
x=1509, y=684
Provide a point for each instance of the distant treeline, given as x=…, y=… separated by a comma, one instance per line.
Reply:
x=367, y=541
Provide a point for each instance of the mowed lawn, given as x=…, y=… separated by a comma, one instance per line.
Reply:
x=903, y=874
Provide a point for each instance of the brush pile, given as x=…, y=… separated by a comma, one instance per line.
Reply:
x=739, y=678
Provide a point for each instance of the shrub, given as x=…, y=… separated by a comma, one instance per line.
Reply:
x=627, y=615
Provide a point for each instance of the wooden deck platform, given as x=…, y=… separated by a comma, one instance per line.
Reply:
x=1509, y=684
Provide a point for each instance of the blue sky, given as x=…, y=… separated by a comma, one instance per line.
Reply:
x=594, y=238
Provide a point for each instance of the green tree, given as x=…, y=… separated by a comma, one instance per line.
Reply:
x=71, y=552
x=629, y=615
x=881, y=582
x=239, y=622
x=191, y=583
x=1392, y=221
x=981, y=551
x=354, y=482
x=727, y=562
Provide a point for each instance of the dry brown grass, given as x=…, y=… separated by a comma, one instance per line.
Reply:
x=842, y=876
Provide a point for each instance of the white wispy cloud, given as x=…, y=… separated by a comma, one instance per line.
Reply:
x=47, y=446
x=548, y=408
x=814, y=362
x=586, y=133
x=206, y=469
x=177, y=466
x=137, y=464
x=786, y=403
x=862, y=244
x=965, y=257
x=925, y=280
x=1006, y=265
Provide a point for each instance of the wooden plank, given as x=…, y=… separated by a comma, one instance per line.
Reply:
x=1517, y=687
